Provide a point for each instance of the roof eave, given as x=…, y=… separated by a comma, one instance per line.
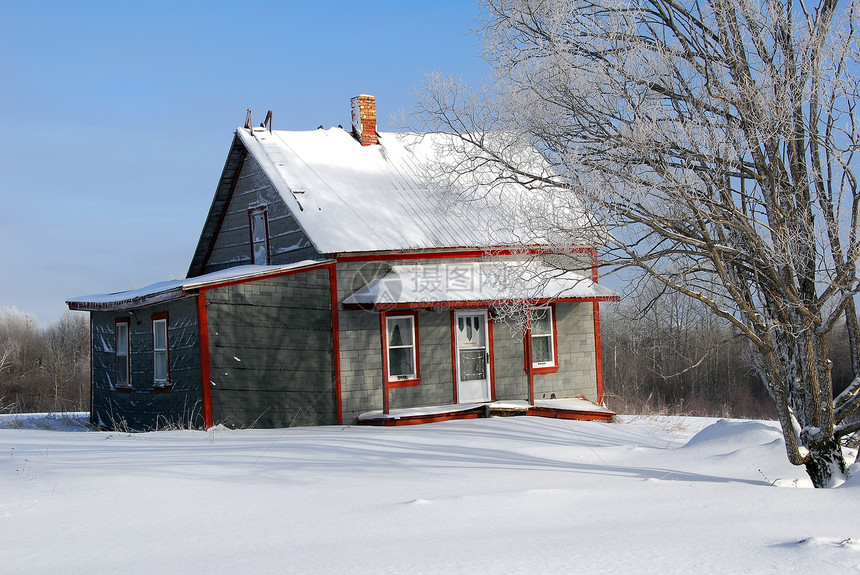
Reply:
x=128, y=304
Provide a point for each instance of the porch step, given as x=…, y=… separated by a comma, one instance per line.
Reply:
x=576, y=408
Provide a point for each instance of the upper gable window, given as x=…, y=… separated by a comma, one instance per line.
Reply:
x=259, y=235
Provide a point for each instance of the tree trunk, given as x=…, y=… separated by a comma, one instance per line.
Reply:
x=825, y=463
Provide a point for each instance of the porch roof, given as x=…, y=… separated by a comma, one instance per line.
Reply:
x=479, y=283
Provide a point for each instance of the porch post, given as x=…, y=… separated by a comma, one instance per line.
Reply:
x=385, y=406
x=529, y=373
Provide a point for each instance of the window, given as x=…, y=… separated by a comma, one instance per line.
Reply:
x=401, y=348
x=159, y=351
x=543, y=338
x=259, y=235
x=121, y=350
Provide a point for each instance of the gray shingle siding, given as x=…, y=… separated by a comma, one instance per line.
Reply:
x=361, y=353
x=577, y=367
x=271, y=349
x=509, y=362
x=232, y=246
x=145, y=406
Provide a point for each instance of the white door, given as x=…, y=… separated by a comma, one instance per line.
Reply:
x=473, y=356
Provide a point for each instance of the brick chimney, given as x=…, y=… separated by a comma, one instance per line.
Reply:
x=364, y=119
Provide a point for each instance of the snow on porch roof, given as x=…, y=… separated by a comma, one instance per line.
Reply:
x=175, y=289
x=449, y=284
x=353, y=198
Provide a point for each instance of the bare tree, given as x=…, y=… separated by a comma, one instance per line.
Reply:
x=66, y=361
x=43, y=369
x=716, y=141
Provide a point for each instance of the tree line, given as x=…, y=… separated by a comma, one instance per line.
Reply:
x=662, y=354
x=670, y=356
x=44, y=369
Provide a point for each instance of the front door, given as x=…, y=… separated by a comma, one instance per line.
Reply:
x=473, y=356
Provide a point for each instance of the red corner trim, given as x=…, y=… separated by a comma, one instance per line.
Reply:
x=491, y=350
x=335, y=327
x=205, y=367
x=454, y=355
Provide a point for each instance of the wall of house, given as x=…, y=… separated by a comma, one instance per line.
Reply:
x=362, y=369
x=509, y=362
x=577, y=366
x=435, y=361
x=360, y=363
x=361, y=353
x=361, y=350
x=271, y=350
x=232, y=246
x=144, y=406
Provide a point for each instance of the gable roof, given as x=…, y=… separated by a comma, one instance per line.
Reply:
x=350, y=198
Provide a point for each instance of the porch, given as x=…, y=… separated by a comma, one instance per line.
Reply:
x=573, y=408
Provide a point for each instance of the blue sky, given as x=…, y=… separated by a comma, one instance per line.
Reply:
x=117, y=117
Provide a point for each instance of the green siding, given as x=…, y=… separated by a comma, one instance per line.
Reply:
x=144, y=406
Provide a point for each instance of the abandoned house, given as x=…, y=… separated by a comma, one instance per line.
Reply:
x=332, y=285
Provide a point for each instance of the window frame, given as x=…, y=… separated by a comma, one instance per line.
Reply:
x=126, y=323
x=158, y=319
x=408, y=379
x=545, y=366
x=252, y=212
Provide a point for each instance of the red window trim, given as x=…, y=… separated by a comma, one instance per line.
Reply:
x=127, y=387
x=251, y=213
x=540, y=370
x=167, y=385
x=394, y=383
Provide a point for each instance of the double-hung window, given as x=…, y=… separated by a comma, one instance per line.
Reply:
x=259, y=235
x=543, y=338
x=401, y=348
x=159, y=351
x=123, y=378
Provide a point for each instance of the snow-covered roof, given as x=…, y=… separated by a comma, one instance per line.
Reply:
x=353, y=198
x=486, y=282
x=174, y=289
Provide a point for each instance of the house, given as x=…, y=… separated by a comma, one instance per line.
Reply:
x=330, y=286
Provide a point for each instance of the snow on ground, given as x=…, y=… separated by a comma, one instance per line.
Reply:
x=499, y=495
